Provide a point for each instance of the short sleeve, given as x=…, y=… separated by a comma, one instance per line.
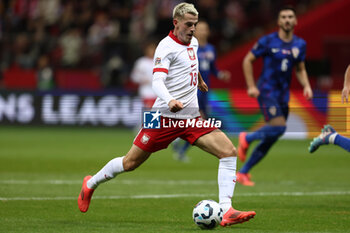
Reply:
x=162, y=59
x=260, y=47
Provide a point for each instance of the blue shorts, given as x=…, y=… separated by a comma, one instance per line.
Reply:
x=272, y=108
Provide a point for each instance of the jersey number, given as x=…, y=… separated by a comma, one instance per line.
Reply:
x=284, y=65
x=194, y=79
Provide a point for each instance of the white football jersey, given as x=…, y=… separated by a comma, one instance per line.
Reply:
x=180, y=63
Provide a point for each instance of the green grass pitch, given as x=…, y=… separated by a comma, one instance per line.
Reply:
x=41, y=170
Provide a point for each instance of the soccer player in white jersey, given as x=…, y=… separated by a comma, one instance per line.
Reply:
x=175, y=81
x=142, y=74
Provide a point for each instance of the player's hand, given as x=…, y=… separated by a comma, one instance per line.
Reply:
x=345, y=95
x=224, y=76
x=253, y=92
x=308, y=92
x=175, y=105
x=202, y=86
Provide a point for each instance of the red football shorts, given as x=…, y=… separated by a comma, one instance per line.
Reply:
x=152, y=140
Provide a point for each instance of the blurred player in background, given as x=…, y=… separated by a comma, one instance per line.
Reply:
x=142, y=74
x=281, y=51
x=328, y=134
x=207, y=66
x=175, y=82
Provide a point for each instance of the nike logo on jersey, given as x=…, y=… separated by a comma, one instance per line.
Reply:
x=193, y=65
x=275, y=50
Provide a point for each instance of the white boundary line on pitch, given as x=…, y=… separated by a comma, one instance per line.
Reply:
x=119, y=181
x=69, y=182
x=163, y=196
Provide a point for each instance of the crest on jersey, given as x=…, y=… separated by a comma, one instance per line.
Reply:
x=191, y=53
x=275, y=50
x=273, y=110
x=295, y=52
x=157, y=61
x=145, y=139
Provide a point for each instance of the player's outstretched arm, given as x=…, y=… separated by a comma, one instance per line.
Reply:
x=304, y=80
x=248, y=60
x=346, y=88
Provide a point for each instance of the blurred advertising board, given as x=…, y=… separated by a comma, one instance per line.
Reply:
x=69, y=108
x=232, y=107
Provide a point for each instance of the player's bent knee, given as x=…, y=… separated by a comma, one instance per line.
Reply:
x=134, y=158
x=275, y=133
x=130, y=165
x=228, y=151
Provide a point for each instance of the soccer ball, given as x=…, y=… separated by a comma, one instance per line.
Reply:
x=207, y=214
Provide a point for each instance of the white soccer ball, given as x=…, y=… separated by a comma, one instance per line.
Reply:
x=207, y=214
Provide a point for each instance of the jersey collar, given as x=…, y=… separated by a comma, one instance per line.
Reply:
x=172, y=36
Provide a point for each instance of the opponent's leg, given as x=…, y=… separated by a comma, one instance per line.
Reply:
x=342, y=141
x=243, y=146
x=259, y=152
x=329, y=136
x=245, y=139
x=180, y=151
x=270, y=137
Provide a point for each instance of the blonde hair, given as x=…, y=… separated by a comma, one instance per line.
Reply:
x=183, y=8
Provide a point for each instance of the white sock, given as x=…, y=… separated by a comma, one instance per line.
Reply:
x=332, y=138
x=226, y=181
x=109, y=171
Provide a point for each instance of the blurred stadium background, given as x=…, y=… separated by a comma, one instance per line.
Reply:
x=68, y=105
x=68, y=62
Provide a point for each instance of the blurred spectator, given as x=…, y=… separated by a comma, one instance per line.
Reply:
x=71, y=43
x=49, y=11
x=114, y=73
x=143, y=20
x=164, y=9
x=2, y=11
x=25, y=54
x=102, y=29
x=106, y=34
x=45, y=74
x=99, y=34
x=121, y=11
x=233, y=23
x=68, y=17
x=85, y=17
